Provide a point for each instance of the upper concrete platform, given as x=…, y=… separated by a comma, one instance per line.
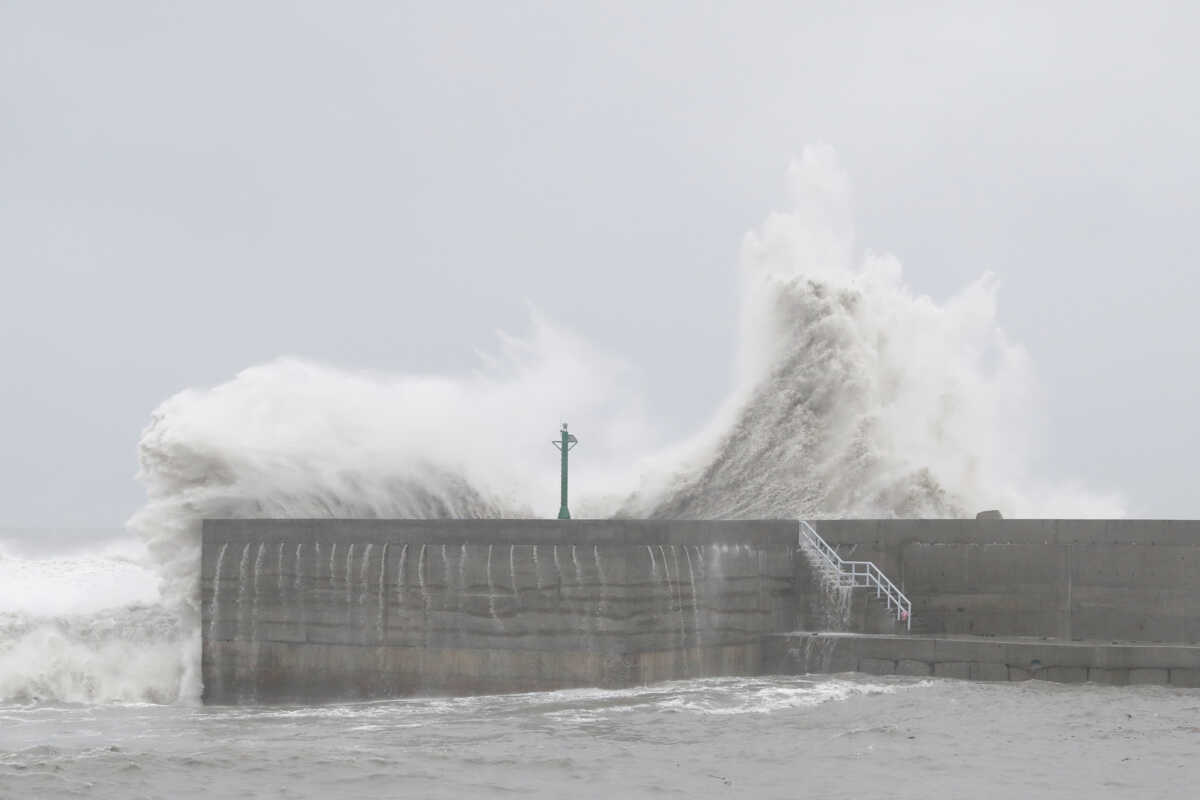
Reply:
x=510, y=531
x=1012, y=531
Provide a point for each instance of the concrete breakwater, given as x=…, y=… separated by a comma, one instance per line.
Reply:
x=310, y=610
x=320, y=609
x=1103, y=580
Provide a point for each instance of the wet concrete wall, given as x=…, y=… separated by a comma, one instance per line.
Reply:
x=305, y=610
x=1127, y=580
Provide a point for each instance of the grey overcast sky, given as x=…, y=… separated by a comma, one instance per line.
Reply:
x=187, y=189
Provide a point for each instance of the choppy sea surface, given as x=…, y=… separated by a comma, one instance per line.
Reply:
x=847, y=736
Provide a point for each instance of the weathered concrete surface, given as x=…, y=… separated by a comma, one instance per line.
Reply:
x=301, y=610
x=320, y=609
x=1128, y=580
x=982, y=659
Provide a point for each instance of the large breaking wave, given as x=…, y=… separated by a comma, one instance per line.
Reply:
x=855, y=396
x=858, y=397
x=81, y=621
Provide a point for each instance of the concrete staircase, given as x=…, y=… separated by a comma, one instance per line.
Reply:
x=831, y=601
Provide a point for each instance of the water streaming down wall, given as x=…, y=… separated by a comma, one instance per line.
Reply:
x=830, y=606
x=831, y=611
x=630, y=602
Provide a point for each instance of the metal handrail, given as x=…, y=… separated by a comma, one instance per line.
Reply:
x=854, y=574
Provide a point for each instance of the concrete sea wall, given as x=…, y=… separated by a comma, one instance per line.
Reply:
x=311, y=610
x=1126, y=580
x=304, y=610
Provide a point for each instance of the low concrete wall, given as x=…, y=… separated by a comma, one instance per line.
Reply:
x=984, y=659
x=301, y=610
x=1129, y=580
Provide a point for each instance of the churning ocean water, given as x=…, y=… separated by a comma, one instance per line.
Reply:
x=776, y=737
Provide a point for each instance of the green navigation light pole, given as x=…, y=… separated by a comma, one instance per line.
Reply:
x=564, y=445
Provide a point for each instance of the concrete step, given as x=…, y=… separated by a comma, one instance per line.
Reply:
x=982, y=658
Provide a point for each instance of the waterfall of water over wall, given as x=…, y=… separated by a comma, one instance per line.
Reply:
x=832, y=609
